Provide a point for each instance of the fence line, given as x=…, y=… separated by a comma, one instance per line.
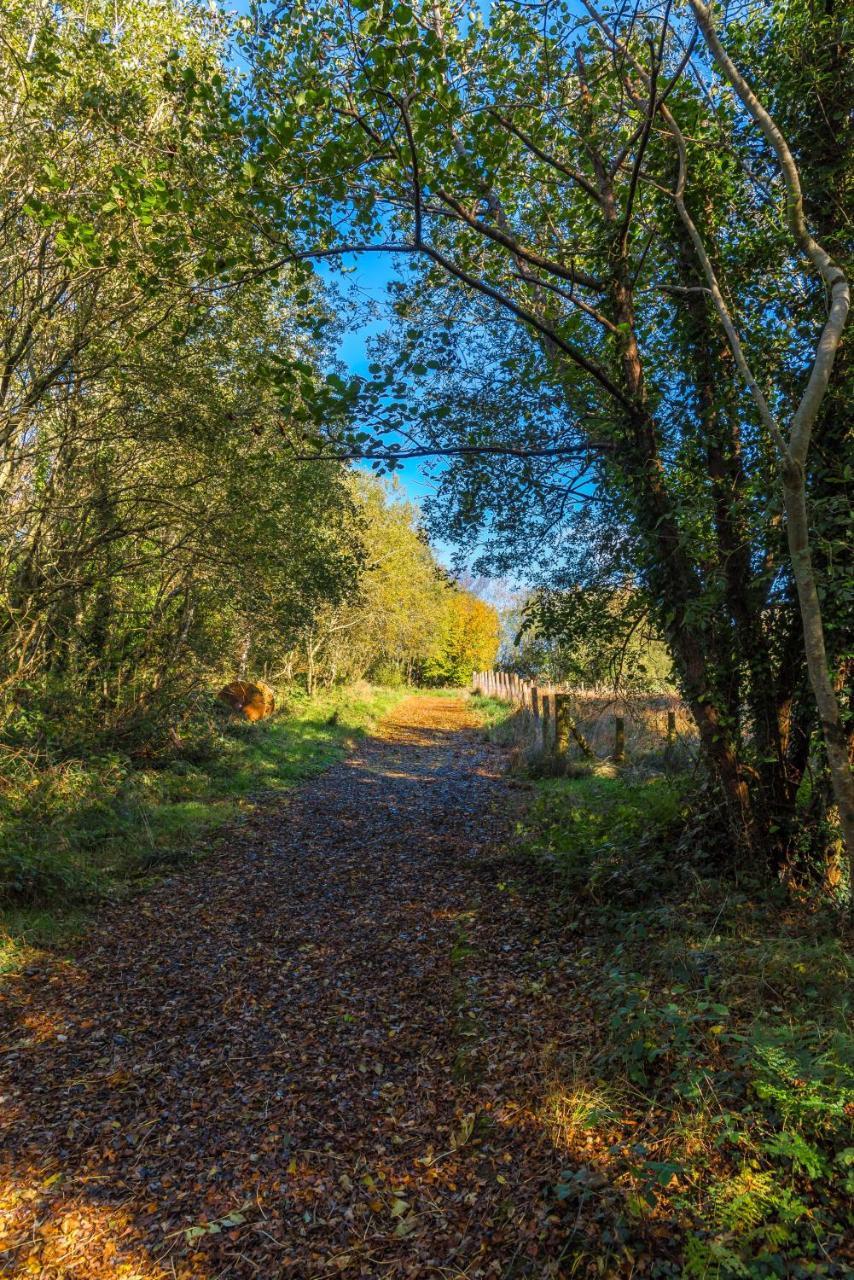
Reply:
x=548, y=725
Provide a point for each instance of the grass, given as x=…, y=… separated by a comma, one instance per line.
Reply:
x=708, y=1111
x=720, y=1017
x=83, y=830
x=498, y=718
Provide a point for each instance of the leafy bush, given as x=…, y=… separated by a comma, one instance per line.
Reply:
x=26, y=879
x=610, y=839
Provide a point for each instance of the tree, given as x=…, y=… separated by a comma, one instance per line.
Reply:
x=550, y=172
x=386, y=625
x=597, y=636
x=467, y=640
x=152, y=522
x=793, y=448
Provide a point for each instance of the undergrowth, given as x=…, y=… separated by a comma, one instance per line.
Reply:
x=73, y=830
x=720, y=1062
x=709, y=1107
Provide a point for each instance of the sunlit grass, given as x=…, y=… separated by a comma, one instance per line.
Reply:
x=571, y=1110
x=497, y=717
x=84, y=830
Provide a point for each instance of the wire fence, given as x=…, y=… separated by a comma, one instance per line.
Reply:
x=562, y=723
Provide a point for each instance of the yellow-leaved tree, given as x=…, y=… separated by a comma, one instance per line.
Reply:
x=467, y=640
x=387, y=626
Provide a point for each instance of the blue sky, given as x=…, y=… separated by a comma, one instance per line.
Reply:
x=371, y=273
x=367, y=279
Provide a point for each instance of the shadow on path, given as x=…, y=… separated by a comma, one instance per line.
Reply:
x=317, y=1054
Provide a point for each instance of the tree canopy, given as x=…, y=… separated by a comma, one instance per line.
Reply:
x=604, y=202
x=616, y=322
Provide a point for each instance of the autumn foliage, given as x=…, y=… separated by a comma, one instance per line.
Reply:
x=467, y=640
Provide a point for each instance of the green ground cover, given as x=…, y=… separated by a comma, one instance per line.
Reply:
x=715, y=1090
x=77, y=830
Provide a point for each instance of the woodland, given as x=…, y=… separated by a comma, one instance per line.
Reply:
x=613, y=346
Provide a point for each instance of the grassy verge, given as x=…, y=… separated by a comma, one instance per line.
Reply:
x=498, y=719
x=708, y=1110
x=712, y=1102
x=80, y=830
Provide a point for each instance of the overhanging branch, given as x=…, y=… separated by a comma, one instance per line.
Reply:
x=430, y=451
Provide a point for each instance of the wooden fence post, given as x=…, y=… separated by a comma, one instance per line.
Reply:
x=566, y=728
x=562, y=719
x=619, y=739
x=546, y=700
x=535, y=717
x=670, y=741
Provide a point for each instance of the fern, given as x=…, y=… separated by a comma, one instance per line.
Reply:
x=810, y=1090
x=712, y=1260
x=743, y=1202
x=795, y=1148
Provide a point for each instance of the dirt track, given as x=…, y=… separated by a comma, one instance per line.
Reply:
x=319, y=1053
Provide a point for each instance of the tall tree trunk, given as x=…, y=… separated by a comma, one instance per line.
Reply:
x=794, y=450
x=835, y=740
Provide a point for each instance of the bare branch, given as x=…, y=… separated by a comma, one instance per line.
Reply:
x=509, y=242
x=578, y=178
x=570, y=297
x=569, y=349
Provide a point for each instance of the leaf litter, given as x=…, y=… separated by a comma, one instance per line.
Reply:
x=321, y=1052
